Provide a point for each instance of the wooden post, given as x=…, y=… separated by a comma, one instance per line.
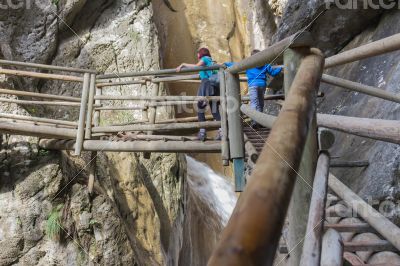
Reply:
x=80, y=135
x=224, y=119
x=96, y=116
x=92, y=171
x=152, y=113
x=236, y=138
x=93, y=154
x=253, y=232
x=89, y=116
x=301, y=198
x=332, y=249
x=312, y=242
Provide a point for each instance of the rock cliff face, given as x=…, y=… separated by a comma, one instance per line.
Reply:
x=135, y=215
x=338, y=30
x=380, y=180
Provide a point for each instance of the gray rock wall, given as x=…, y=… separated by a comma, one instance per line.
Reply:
x=336, y=30
x=380, y=180
x=119, y=224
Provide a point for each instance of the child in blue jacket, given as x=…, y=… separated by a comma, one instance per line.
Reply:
x=257, y=83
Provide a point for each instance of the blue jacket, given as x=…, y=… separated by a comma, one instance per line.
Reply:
x=257, y=77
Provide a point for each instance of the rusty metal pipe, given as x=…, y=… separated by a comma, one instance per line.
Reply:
x=252, y=234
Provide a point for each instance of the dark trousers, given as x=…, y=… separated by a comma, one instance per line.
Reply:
x=207, y=89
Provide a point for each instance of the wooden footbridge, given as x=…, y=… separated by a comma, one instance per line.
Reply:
x=289, y=158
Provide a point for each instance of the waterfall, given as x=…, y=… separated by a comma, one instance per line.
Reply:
x=213, y=189
x=210, y=202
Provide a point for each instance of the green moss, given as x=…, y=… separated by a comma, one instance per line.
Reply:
x=134, y=35
x=53, y=224
x=43, y=152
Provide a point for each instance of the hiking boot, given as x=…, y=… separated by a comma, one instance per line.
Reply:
x=254, y=125
x=202, y=136
x=219, y=136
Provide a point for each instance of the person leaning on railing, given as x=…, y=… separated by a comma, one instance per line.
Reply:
x=208, y=87
x=257, y=79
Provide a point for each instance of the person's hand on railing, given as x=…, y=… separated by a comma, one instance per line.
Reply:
x=179, y=68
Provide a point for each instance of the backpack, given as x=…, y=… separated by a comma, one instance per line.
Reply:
x=214, y=79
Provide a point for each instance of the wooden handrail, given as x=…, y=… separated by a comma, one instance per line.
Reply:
x=252, y=234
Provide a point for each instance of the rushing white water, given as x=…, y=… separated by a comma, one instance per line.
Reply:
x=215, y=190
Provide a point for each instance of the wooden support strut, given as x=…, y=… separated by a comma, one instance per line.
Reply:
x=354, y=86
x=48, y=67
x=40, y=75
x=122, y=83
x=80, y=135
x=40, y=95
x=157, y=127
x=37, y=131
x=297, y=40
x=152, y=112
x=332, y=249
x=379, y=222
x=92, y=91
x=312, y=243
x=379, y=47
x=38, y=119
x=93, y=154
x=378, y=129
x=50, y=103
x=252, y=234
x=135, y=146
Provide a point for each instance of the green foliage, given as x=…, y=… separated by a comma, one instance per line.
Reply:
x=43, y=152
x=94, y=223
x=134, y=35
x=53, y=224
x=19, y=222
x=55, y=2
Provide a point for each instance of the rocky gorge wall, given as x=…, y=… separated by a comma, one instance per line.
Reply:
x=120, y=224
x=337, y=30
x=138, y=203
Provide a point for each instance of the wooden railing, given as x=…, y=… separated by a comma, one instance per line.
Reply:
x=289, y=157
x=253, y=231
